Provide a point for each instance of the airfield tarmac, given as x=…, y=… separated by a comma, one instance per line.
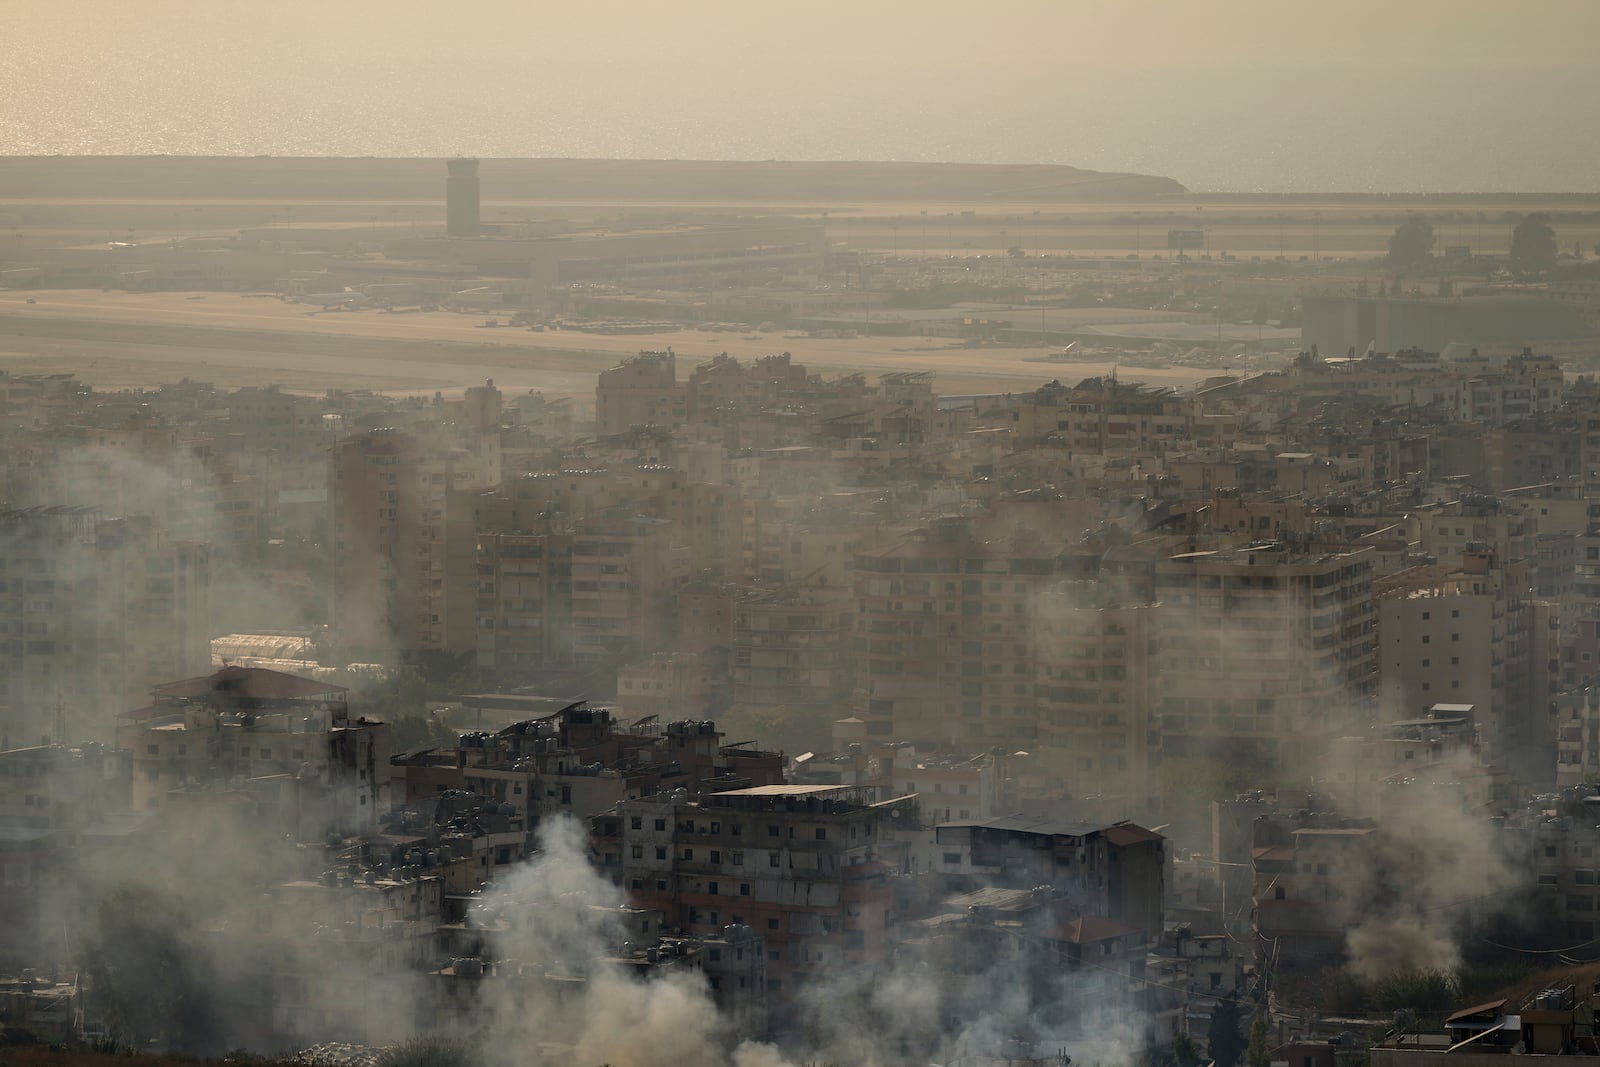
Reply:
x=122, y=340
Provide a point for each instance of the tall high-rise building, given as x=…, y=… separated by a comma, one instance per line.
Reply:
x=402, y=542
x=461, y=198
x=945, y=650
x=93, y=612
x=1264, y=651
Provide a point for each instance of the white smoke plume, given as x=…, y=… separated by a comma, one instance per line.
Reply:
x=557, y=987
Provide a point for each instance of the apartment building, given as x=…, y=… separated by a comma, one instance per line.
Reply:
x=93, y=612
x=705, y=517
x=401, y=541
x=523, y=606
x=289, y=740
x=669, y=685
x=1264, y=649
x=805, y=867
x=790, y=649
x=1312, y=882
x=623, y=574
x=945, y=631
x=722, y=385
x=1464, y=637
x=1117, y=871
x=640, y=391
x=1099, y=685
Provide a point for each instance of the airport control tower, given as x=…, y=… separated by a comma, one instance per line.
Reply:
x=461, y=198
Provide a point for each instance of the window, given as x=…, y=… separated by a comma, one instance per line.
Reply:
x=716, y=955
x=772, y=831
x=772, y=924
x=711, y=888
x=1279, y=894
x=952, y=859
x=744, y=889
x=661, y=825
x=772, y=859
x=716, y=856
x=636, y=823
x=688, y=853
x=822, y=833
x=638, y=852
x=661, y=884
x=661, y=852
x=637, y=883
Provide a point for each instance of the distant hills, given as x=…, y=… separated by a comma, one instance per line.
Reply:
x=286, y=178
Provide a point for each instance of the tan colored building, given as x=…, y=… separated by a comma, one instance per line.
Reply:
x=1274, y=649
x=669, y=685
x=1099, y=688
x=93, y=612
x=401, y=541
x=640, y=391
x=945, y=651
x=622, y=582
x=277, y=734
x=789, y=650
x=523, y=604
x=1465, y=638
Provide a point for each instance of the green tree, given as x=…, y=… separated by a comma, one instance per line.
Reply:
x=146, y=977
x=1258, y=1055
x=1184, y=1052
x=1411, y=242
x=1533, y=244
x=1426, y=991
x=1225, y=1039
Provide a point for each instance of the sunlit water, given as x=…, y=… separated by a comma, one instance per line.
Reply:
x=356, y=79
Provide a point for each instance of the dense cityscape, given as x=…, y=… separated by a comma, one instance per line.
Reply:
x=1210, y=676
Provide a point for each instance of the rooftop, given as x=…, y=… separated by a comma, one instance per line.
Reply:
x=250, y=683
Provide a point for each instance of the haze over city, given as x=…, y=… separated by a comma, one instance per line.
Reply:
x=901, y=535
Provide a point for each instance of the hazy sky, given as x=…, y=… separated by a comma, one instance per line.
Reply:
x=1231, y=94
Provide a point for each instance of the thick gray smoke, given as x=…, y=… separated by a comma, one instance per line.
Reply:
x=1438, y=865
x=97, y=595
x=558, y=987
